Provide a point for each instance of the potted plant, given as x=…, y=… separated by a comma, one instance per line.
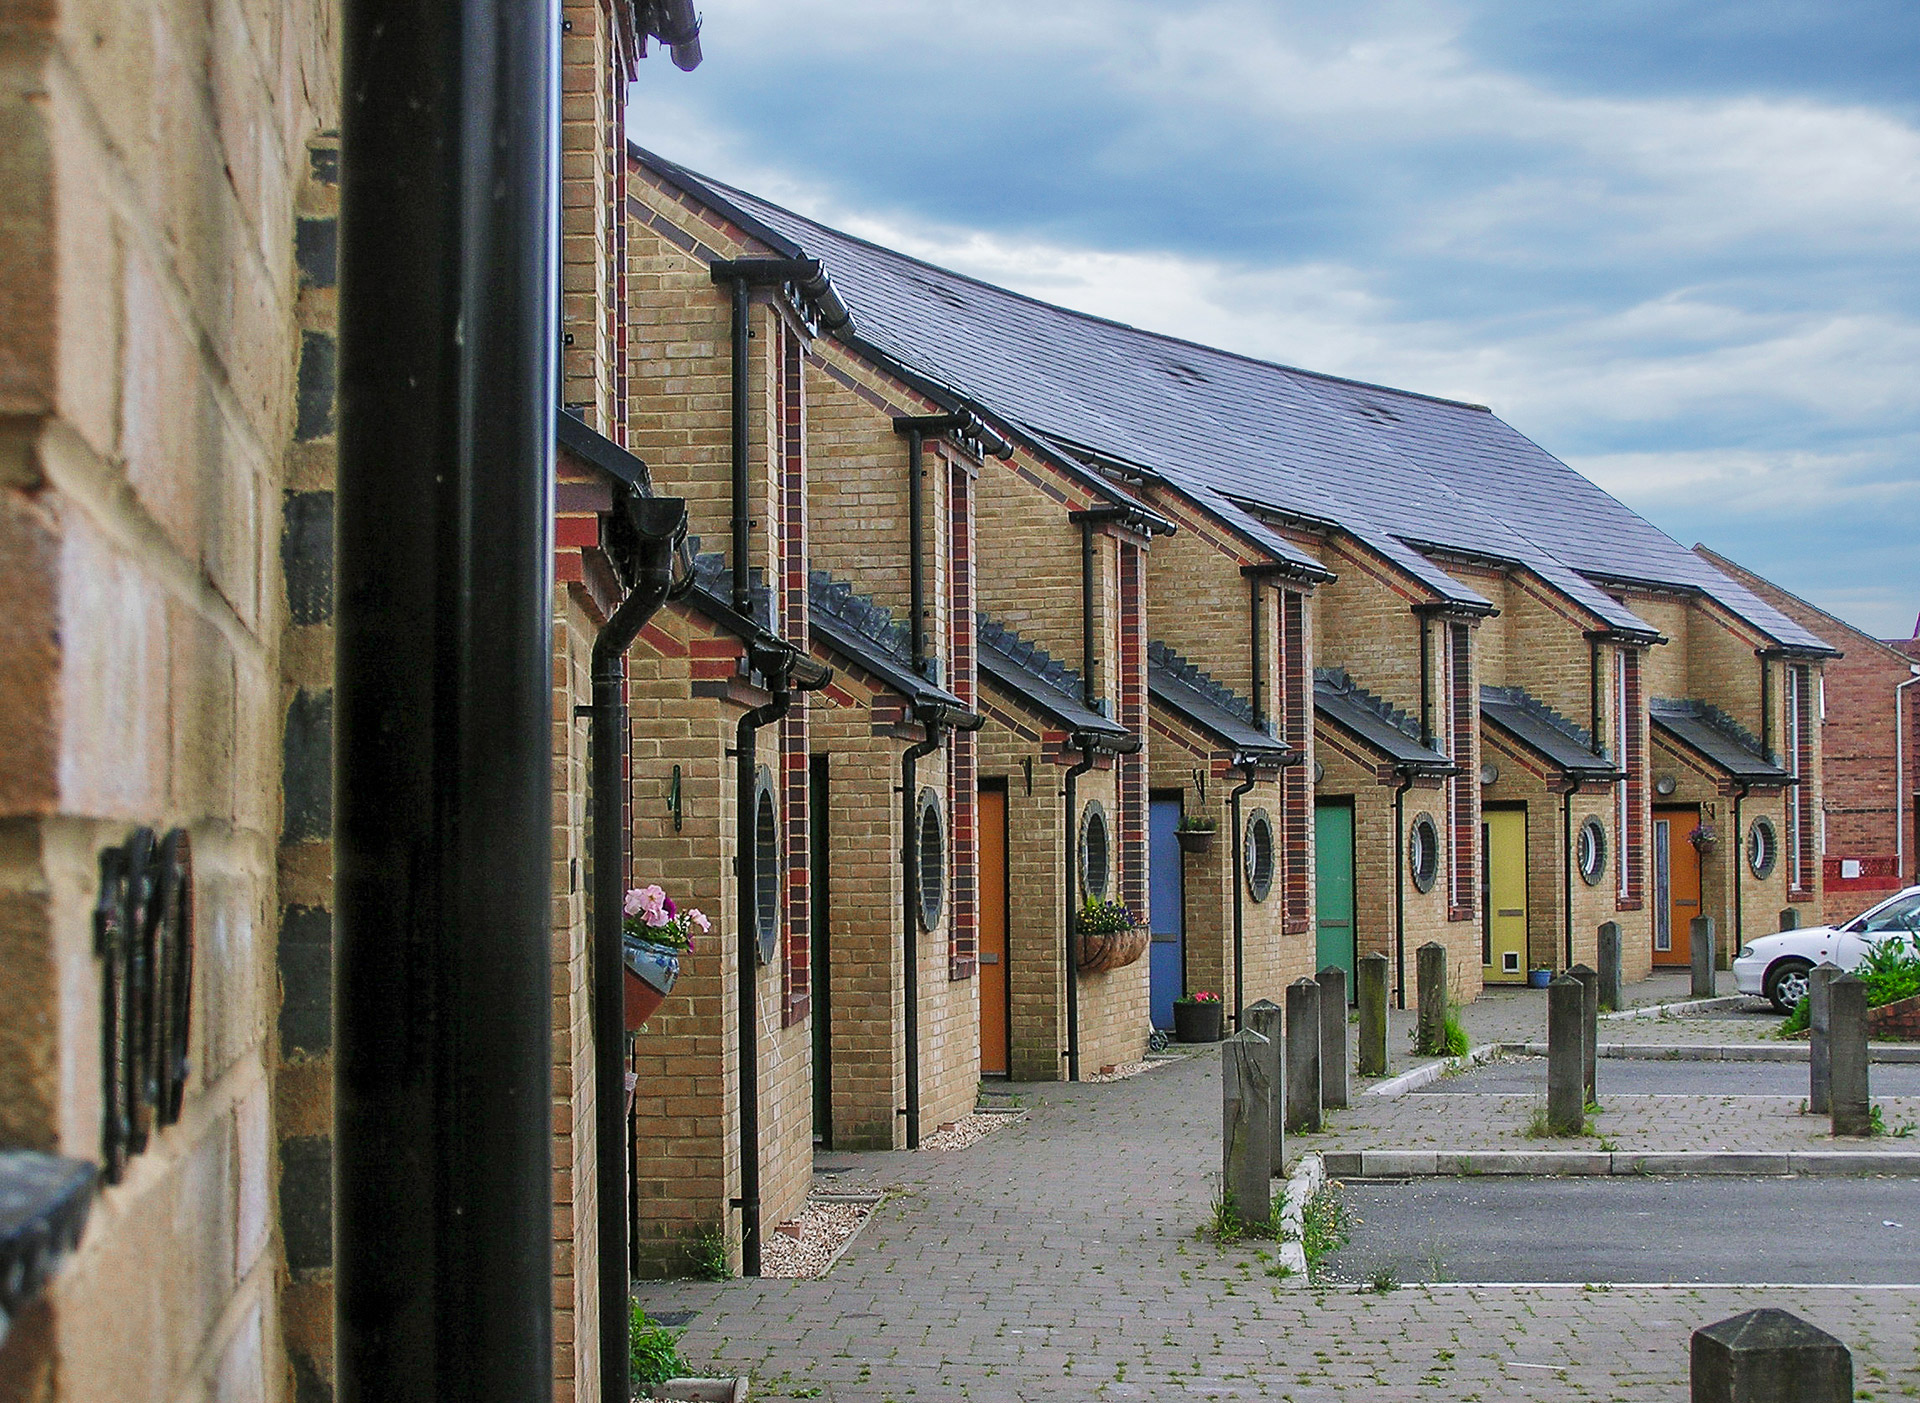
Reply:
x=1195, y=833
x=1705, y=838
x=1196, y=1017
x=655, y=936
x=1110, y=937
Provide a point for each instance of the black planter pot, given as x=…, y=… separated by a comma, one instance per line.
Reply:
x=1196, y=1023
x=1194, y=840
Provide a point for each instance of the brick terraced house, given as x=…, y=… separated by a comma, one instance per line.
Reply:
x=1869, y=725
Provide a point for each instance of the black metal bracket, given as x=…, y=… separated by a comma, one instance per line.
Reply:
x=143, y=937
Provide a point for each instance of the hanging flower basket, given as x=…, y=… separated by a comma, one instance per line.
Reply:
x=655, y=937
x=1195, y=833
x=1109, y=937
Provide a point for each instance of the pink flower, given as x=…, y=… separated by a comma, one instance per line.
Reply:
x=699, y=919
x=633, y=903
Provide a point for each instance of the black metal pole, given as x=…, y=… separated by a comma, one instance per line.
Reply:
x=916, y=549
x=443, y=1237
x=607, y=747
x=1089, y=690
x=1072, y=838
x=747, y=971
x=1239, y=895
x=1254, y=630
x=742, y=523
x=1400, y=886
x=1566, y=863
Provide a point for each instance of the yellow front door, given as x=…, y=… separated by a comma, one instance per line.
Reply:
x=1503, y=943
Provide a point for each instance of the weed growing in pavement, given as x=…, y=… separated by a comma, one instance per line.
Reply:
x=1453, y=1037
x=707, y=1256
x=1798, y=1021
x=1539, y=1129
x=1383, y=1280
x=1326, y=1225
x=653, y=1354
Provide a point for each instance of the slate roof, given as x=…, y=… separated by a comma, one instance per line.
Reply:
x=1716, y=737
x=863, y=632
x=1037, y=679
x=1374, y=721
x=1203, y=702
x=1399, y=471
x=1544, y=731
x=713, y=578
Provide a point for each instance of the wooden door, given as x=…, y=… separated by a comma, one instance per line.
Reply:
x=1676, y=885
x=1166, y=886
x=1333, y=886
x=1503, y=931
x=995, y=1051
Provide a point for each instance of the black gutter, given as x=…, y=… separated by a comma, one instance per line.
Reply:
x=1400, y=887
x=1239, y=893
x=1071, y=835
x=674, y=23
x=661, y=525
x=443, y=786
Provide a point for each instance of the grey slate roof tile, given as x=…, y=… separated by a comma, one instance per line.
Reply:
x=1371, y=719
x=1034, y=676
x=1394, y=468
x=1544, y=731
x=1716, y=737
x=1206, y=703
x=863, y=632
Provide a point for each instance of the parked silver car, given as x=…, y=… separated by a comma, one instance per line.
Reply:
x=1776, y=966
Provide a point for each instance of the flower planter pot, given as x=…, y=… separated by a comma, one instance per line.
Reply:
x=1194, y=840
x=1196, y=1023
x=1112, y=950
x=1539, y=978
x=651, y=972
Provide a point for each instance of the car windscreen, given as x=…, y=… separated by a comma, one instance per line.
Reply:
x=1901, y=914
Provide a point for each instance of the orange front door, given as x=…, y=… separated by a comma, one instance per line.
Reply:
x=1676, y=884
x=994, y=1057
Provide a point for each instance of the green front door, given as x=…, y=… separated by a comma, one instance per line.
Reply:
x=1333, y=884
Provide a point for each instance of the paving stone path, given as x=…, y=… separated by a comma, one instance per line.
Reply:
x=1058, y=1259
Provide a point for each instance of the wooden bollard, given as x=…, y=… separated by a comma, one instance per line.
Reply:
x=1266, y=1018
x=1700, y=933
x=1566, y=1084
x=1589, y=1028
x=1303, y=1055
x=1370, y=985
x=1820, y=1037
x=1333, y=1037
x=1246, y=1137
x=1769, y=1356
x=1431, y=978
x=1847, y=1055
x=1613, y=989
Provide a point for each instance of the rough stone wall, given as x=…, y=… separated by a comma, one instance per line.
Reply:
x=155, y=163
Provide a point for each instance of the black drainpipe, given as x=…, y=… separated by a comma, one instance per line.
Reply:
x=747, y=953
x=1089, y=692
x=1426, y=681
x=1400, y=883
x=1594, y=698
x=1072, y=835
x=1566, y=859
x=1766, y=710
x=661, y=523
x=910, y=920
x=1239, y=888
x=1253, y=633
x=1737, y=853
x=443, y=785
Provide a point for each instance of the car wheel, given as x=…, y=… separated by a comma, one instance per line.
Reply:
x=1787, y=984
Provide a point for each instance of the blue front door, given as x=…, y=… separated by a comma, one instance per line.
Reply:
x=1168, y=968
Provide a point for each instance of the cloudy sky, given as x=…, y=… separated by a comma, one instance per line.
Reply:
x=1677, y=242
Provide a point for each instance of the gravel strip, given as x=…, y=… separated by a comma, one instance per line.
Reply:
x=804, y=1248
x=1128, y=1069
x=969, y=1128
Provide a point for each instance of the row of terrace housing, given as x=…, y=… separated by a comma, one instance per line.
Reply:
x=1063, y=584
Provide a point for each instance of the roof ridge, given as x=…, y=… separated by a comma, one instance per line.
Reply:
x=1202, y=682
x=1028, y=654
x=1720, y=720
x=838, y=599
x=1340, y=680
x=1539, y=710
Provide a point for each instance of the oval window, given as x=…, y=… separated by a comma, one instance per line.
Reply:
x=1096, y=856
x=1763, y=847
x=1258, y=855
x=1590, y=852
x=766, y=867
x=1423, y=853
x=931, y=853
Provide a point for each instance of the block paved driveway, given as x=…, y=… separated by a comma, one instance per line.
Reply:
x=1057, y=1259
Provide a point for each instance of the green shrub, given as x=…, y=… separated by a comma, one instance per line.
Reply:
x=1799, y=1020
x=1891, y=971
x=1452, y=1035
x=653, y=1351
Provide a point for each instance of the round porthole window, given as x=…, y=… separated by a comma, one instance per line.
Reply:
x=931, y=843
x=1096, y=852
x=766, y=867
x=1763, y=847
x=1423, y=852
x=1258, y=854
x=1590, y=852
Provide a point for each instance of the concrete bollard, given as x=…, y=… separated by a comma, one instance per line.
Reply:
x=1303, y=1055
x=1847, y=1055
x=1790, y=918
x=1246, y=1137
x=1333, y=1037
x=1819, y=1037
x=1769, y=1356
x=1266, y=1018
x=1431, y=976
x=1700, y=932
x=1370, y=985
x=1589, y=1028
x=1613, y=989
x=1566, y=1085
